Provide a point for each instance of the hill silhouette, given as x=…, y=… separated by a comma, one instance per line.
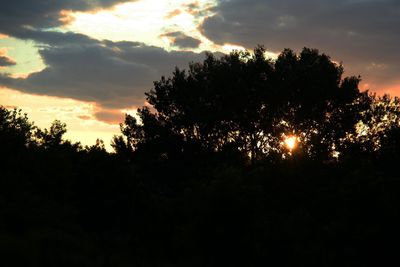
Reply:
x=207, y=177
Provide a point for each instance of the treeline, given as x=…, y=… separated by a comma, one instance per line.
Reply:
x=205, y=177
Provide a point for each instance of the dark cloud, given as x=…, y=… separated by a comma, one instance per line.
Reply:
x=187, y=42
x=182, y=40
x=18, y=14
x=54, y=38
x=6, y=61
x=362, y=33
x=112, y=74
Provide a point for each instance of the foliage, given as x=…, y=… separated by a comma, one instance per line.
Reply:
x=246, y=103
x=15, y=129
x=179, y=189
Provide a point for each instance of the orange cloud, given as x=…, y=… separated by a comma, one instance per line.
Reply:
x=84, y=117
x=375, y=86
x=19, y=75
x=66, y=17
x=110, y=116
x=392, y=90
x=11, y=107
x=174, y=13
x=3, y=51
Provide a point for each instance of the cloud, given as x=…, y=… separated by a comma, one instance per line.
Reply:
x=18, y=14
x=182, y=40
x=111, y=74
x=196, y=9
x=110, y=116
x=6, y=61
x=173, y=13
x=85, y=117
x=362, y=33
x=185, y=41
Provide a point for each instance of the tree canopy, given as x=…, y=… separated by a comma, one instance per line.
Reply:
x=247, y=103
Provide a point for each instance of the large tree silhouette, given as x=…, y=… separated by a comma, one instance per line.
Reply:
x=246, y=103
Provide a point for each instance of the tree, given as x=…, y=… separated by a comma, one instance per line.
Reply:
x=314, y=101
x=54, y=136
x=378, y=128
x=246, y=102
x=16, y=131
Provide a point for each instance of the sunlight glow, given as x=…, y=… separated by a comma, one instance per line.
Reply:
x=291, y=142
x=150, y=22
x=144, y=21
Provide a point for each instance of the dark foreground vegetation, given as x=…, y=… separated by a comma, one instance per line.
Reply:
x=205, y=179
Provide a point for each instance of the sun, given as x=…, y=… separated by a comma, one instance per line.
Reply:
x=291, y=142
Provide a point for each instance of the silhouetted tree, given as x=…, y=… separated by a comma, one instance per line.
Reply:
x=16, y=130
x=54, y=136
x=247, y=102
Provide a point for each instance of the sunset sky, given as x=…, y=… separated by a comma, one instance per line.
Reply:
x=88, y=62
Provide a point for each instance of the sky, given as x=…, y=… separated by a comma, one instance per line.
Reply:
x=89, y=62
